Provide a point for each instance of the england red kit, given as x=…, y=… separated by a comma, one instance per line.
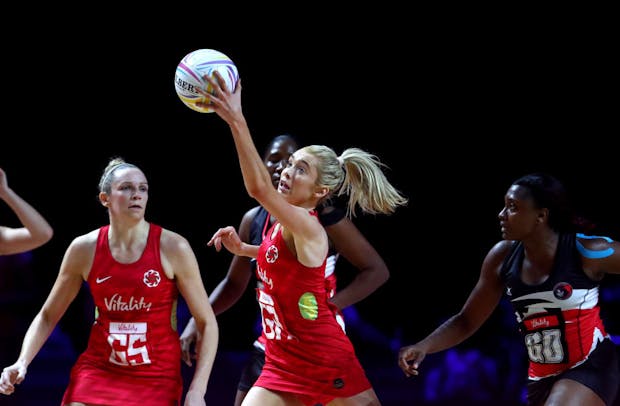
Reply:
x=307, y=351
x=133, y=354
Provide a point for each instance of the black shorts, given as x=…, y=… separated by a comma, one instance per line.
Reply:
x=252, y=370
x=601, y=373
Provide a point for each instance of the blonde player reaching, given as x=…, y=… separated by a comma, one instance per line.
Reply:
x=308, y=357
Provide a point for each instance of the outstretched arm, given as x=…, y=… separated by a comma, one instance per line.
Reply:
x=481, y=302
x=228, y=237
x=256, y=178
x=228, y=106
x=35, y=231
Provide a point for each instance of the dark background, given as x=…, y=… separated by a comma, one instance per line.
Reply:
x=456, y=108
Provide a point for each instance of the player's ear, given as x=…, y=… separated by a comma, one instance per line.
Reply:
x=321, y=191
x=103, y=199
x=543, y=216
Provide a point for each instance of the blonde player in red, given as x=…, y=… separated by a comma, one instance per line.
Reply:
x=135, y=271
x=308, y=357
x=348, y=242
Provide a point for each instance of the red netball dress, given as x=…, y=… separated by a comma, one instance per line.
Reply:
x=307, y=351
x=133, y=354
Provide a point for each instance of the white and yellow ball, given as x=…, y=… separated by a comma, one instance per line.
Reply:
x=191, y=70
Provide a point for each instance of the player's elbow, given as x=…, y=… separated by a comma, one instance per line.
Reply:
x=259, y=190
x=381, y=273
x=465, y=324
x=255, y=190
x=46, y=235
x=40, y=236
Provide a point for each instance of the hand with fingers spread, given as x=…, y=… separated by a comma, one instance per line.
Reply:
x=225, y=103
x=228, y=237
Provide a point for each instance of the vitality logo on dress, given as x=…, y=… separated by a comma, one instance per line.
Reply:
x=117, y=304
x=262, y=274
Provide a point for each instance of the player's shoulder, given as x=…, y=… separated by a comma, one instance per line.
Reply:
x=171, y=240
x=503, y=246
x=331, y=213
x=85, y=240
x=83, y=245
x=501, y=249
